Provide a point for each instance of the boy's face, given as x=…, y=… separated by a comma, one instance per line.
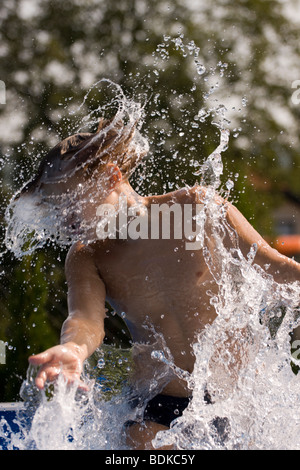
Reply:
x=69, y=187
x=75, y=201
x=74, y=178
x=78, y=206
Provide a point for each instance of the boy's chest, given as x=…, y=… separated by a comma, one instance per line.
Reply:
x=156, y=277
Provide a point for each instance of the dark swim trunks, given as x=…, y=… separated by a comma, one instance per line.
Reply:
x=163, y=409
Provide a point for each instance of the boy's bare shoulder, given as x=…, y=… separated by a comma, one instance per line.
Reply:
x=186, y=195
x=79, y=253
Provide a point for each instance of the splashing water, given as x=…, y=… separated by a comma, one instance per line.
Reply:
x=33, y=220
x=68, y=420
x=253, y=389
x=255, y=393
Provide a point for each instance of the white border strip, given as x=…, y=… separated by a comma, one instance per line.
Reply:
x=13, y=406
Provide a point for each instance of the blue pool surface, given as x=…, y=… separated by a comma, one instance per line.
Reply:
x=9, y=413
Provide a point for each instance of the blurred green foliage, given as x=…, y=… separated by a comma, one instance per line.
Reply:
x=52, y=53
x=32, y=310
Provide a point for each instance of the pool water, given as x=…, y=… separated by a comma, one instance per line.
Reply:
x=13, y=422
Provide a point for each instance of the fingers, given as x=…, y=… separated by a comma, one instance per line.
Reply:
x=43, y=377
x=49, y=373
x=83, y=386
x=46, y=374
x=50, y=367
x=56, y=360
x=41, y=358
x=40, y=380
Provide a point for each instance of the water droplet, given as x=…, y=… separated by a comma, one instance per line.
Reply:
x=229, y=185
x=244, y=101
x=101, y=363
x=201, y=69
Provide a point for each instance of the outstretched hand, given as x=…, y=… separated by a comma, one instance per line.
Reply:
x=65, y=358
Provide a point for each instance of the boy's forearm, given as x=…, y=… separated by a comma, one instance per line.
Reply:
x=282, y=268
x=88, y=334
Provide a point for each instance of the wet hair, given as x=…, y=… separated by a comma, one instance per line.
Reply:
x=113, y=142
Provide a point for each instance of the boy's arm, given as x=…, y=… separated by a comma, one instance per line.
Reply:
x=86, y=300
x=83, y=330
x=282, y=268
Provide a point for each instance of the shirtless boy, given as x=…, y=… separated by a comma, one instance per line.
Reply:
x=151, y=280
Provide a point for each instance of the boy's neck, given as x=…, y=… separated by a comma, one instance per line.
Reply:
x=124, y=189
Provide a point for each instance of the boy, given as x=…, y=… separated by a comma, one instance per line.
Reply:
x=160, y=283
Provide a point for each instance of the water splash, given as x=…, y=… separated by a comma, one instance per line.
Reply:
x=252, y=388
x=212, y=169
x=35, y=219
x=66, y=418
x=243, y=360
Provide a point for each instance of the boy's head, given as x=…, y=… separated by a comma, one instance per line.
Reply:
x=85, y=157
x=72, y=180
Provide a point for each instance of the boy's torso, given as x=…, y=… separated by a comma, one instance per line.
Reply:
x=160, y=288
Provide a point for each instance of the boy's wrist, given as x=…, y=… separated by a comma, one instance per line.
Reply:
x=80, y=350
